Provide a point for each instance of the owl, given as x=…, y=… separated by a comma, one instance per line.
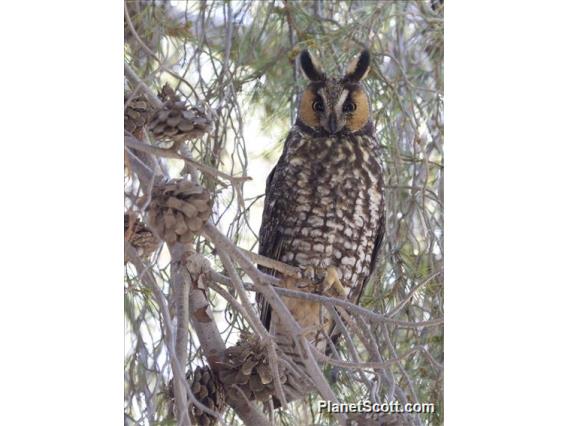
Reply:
x=324, y=208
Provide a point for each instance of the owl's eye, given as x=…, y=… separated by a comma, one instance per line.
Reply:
x=318, y=106
x=349, y=107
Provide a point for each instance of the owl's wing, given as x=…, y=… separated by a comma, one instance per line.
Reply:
x=374, y=256
x=275, y=210
x=356, y=297
x=269, y=240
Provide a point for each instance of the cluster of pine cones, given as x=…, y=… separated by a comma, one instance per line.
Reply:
x=246, y=365
x=174, y=121
x=178, y=209
x=207, y=389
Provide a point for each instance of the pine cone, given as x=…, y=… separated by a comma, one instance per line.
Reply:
x=207, y=389
x=210, y=392
x=178, y=210
x=247, y=366
x=175, y=122
x=140, y=236
x=136, y=114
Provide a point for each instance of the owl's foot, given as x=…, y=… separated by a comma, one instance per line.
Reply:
x=306, y=279
x=311, y=281
x=331, y=280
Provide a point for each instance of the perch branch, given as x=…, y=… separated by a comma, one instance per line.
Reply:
x=330, y=301
x=272, y=264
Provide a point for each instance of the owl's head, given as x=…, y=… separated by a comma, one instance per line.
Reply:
x=332, y=106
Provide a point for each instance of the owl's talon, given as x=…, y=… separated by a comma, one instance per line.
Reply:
x=331, y=280
x=308, y=273
x=305, y=278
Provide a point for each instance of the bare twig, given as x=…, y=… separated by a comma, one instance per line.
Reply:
x=134, y=143
x=138, y=83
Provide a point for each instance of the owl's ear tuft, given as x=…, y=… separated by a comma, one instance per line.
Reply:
x=310, y=66
x=359, y=67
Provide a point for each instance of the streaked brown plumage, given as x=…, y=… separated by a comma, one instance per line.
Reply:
x=324, y=198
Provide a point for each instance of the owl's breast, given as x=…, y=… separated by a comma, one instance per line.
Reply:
x=331, y=193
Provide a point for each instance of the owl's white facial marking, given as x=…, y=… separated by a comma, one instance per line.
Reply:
x=321, y=92
x=340, y=102
x=330, y=99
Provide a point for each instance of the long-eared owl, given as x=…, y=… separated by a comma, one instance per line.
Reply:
x=324, y=209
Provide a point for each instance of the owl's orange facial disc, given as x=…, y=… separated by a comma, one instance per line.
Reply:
x=307, y=113
x=356, y=119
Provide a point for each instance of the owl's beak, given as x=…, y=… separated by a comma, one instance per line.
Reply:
x=332, y=124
